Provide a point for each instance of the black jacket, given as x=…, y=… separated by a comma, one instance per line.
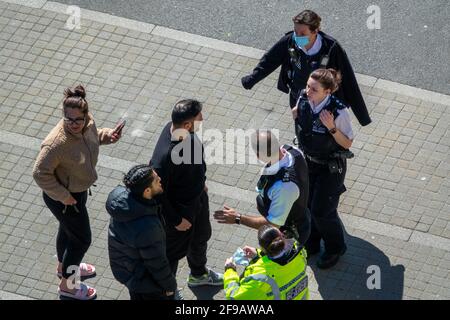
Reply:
x=137, y=244
x=278, y=55
x=184, y=182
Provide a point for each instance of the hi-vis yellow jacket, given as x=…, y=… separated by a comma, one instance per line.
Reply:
x=267, y=280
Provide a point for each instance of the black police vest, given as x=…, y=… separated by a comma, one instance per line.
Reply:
x=313, y=136
x=298, y=217
x=302, y=65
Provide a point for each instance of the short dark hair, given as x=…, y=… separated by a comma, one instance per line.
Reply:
x=270, y=240
x=309, y=18
x=139, y=178
x=185, y=110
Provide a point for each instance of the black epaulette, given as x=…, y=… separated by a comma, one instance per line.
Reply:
x=338, y=103
x=286, y=176
x=283, y=175
x=303, y=99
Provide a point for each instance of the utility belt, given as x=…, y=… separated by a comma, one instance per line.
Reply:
x=335, y=161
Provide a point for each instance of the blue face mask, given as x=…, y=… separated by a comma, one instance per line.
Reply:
x=301, y=42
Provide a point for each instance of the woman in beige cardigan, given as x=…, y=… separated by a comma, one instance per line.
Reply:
x=65, y=170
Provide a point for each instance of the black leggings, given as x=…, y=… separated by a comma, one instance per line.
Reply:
x=74, y=233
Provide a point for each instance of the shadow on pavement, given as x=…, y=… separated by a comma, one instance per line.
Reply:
x=348, y=279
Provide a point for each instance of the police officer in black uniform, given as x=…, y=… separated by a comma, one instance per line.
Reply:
x=325, y=135
x=282, y=190
x=302, y=51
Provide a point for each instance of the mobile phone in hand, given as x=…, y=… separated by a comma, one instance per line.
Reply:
x=120, y=126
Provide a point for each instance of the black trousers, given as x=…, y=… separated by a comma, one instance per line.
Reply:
x=325, y=189
x=74, y=233
x=138, y=296
x=191, y=244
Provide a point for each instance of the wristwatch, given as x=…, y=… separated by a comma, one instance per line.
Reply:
x=332, y=130
x=237, y=220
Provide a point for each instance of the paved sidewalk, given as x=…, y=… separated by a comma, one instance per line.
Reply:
x=396, y=210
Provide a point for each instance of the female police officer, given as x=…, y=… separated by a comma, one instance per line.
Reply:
x=325, y=134
x=277, y=272
x=300, y=52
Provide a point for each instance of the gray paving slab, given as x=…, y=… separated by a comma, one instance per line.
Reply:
x=396, y=211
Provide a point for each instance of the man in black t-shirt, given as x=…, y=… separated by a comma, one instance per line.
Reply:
x=178, y=160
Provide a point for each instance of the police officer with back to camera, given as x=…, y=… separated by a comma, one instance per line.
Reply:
x=282, y=190
x=302, y=51
x=325, y=135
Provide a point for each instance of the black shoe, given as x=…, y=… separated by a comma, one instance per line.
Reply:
x=328, y=260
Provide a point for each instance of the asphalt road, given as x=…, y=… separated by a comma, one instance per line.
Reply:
x=411, y=47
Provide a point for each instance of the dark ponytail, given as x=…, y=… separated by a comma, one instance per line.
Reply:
x=328, y=78
x=270, y=240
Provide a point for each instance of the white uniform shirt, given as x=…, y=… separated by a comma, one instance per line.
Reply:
x=282, y=194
